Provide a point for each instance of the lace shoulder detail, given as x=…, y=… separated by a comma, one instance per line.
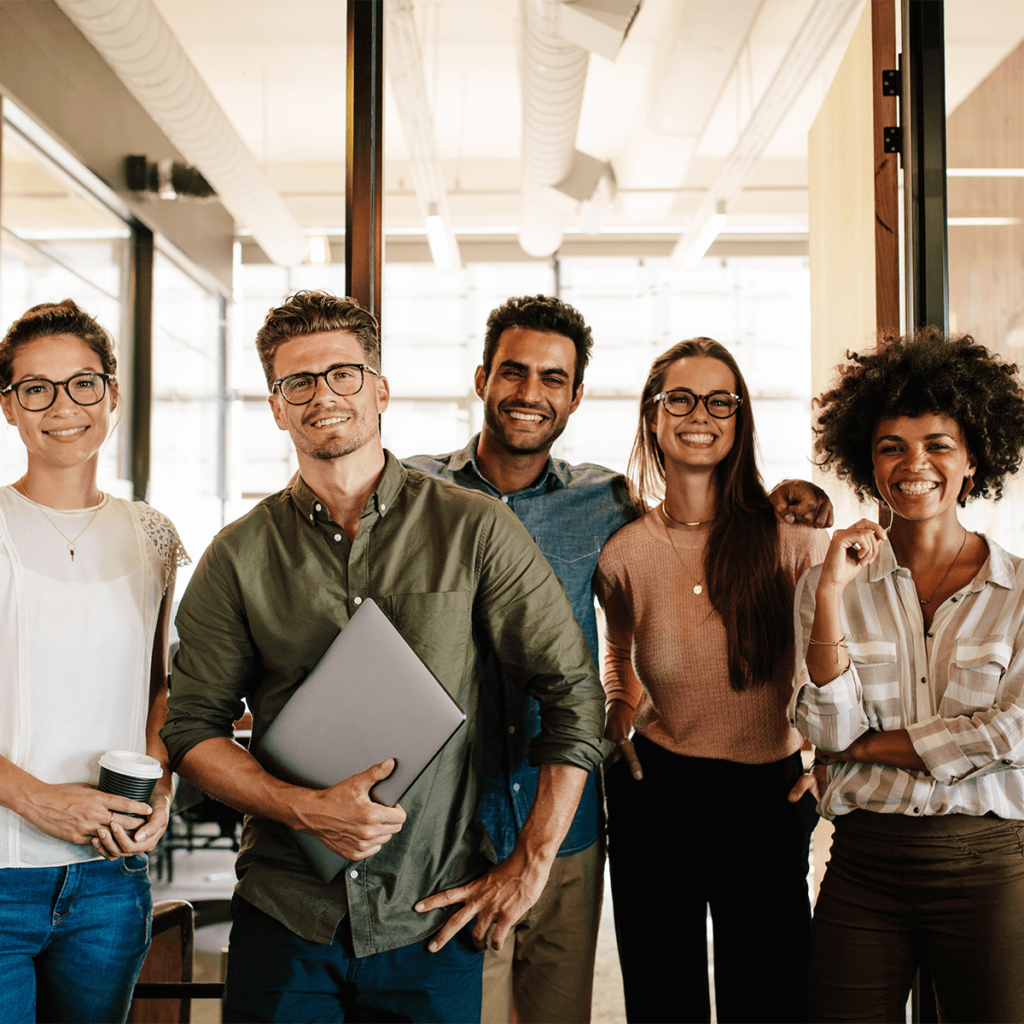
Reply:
x=164, y=536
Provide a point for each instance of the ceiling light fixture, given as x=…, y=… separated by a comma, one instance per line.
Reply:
x=437, y=239
x=985, y=172
x=705, y=236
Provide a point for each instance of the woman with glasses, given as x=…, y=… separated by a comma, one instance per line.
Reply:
x=86, y=581
x=698, y=601
x=913, y=630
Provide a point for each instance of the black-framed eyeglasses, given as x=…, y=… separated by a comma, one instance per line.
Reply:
x=682, y=401
x=37, y=393
x=299, y=388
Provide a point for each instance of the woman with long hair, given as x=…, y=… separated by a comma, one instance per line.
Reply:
x=86, y=581
x=698, y=601
x=914, y=688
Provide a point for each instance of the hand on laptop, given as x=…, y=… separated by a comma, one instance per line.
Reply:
x=348, y=820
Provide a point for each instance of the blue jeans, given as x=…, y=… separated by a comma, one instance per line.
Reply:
x=72, y=940
x=274, y=975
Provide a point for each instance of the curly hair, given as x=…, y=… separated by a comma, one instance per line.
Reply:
x=316, y=312
x=542, y=313
x=926, y=372
x=48, y=318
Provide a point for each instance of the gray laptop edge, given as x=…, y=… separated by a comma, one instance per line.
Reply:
x=368, y=698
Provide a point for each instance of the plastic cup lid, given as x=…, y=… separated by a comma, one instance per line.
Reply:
x=127, y=762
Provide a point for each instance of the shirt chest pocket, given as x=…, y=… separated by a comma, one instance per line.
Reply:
x=438, y=627
x=975, y=674
x=573, y=557
x=874, y=660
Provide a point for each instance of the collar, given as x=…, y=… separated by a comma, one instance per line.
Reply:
x=555, y=475
x=392, y=480
x=998, y=569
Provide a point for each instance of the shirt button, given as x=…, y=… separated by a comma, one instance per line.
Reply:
x=319, y=508
x=923, y=680
x=511, y=728
x=383, y=508
x=337, y=536
x=1007, y=760
x=954, y=600
x=915, y=810
x=504, y=498
x=515, y=787
x=311, y=517
x=353, y=874
x=358, y=600
x=931, y=634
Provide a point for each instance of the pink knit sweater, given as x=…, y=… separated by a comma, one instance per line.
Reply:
x=666, y=653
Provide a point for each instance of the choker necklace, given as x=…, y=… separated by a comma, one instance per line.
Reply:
x=935, y=589
x=681, y=522
x=70, y=541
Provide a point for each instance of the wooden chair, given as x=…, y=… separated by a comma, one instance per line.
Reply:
x=165, y=990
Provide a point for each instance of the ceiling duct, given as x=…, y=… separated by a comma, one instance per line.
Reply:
x=553, y=74
x=137, y=43
x=600, y=26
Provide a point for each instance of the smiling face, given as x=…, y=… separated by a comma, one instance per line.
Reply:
x=66, y=434
x=331, y=425
x=697, y=440
x=528, y=395
x=920, y=463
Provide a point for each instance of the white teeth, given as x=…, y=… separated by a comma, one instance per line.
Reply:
x=698, y=438
x=526, y=417
x=918, y=488
x=330, y=422
x=65, y=433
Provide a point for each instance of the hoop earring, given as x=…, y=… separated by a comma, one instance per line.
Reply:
x=965, y=490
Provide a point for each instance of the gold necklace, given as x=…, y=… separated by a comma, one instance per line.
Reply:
x=935, y=589
x=698, y=587
x=70, y=541
x=680, y=522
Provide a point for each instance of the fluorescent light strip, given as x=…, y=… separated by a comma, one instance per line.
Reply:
x=985, y=172
x=983, y=222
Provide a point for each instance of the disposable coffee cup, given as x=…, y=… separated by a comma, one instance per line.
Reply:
x=126, y=773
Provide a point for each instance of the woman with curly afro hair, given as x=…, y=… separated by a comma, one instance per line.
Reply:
x=913, y=690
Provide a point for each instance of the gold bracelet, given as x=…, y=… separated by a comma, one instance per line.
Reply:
x=829, y=643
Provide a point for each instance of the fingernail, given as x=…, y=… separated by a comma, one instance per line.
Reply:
x=638, y=775
x=149, y=810
x=432, y=947
x=140, y=837
x=419, y=908
x=96, y=843
x=101, y=834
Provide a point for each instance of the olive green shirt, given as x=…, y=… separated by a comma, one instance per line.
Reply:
x=460, y=578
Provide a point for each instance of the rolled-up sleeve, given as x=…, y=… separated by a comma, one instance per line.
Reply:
x=524, y=610
x=214, y=660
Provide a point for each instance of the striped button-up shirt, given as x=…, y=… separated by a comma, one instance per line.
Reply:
x=956, y=688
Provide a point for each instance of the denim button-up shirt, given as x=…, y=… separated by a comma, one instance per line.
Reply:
x=570, y=511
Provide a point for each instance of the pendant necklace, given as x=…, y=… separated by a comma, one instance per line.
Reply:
x=945, y=575
x=698, y=587
x=70, y=541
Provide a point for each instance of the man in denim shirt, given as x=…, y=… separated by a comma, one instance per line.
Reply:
x=535, y=351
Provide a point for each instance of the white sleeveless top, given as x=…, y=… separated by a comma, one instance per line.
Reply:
x=76, y=645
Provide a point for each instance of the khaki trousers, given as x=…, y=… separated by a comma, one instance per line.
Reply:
x=545, y=967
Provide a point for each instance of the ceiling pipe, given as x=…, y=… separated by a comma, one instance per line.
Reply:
x=816, y=34
x=553, y=74
x=144, y=53
x=405, y=73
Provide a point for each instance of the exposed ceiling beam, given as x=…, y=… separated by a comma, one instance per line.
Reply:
x=821, y=26
x=133, y=38
x=408, y=87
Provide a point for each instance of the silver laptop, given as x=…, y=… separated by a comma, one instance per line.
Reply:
x=367, y=699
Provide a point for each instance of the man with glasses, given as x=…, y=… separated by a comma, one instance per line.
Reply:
x=462, y=581
x=536, y=349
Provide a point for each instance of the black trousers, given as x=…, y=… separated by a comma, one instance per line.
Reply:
x=695, y=833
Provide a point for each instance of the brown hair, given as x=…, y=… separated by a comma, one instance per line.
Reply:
x=55, y=318
x=746, y=585
x=315, y=312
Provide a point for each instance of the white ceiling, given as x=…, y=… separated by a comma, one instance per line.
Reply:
x=277, y=67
